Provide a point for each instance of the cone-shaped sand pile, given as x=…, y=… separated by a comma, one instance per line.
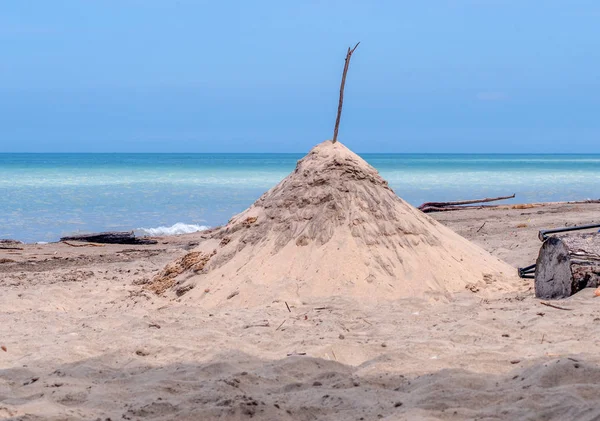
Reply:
x=332, y=227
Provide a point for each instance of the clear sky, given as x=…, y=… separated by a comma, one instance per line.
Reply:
x=263, y=76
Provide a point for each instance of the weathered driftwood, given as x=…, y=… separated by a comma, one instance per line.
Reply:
x=343, y=84
x=457, y=205
x=567, y=264
x=110, y=238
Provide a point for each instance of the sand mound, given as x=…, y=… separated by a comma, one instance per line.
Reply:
x=334, y=227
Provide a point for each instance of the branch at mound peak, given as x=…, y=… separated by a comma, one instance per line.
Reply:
x=457, y=205
x=341, y=102
x=110, y=238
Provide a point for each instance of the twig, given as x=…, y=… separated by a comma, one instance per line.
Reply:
x=11, y=248
x=284, y=320
x=333, y=354
x=233, y=294
x=82, y=245
x=555, y=306
x=264, y=324
x=542, y=341
x=481, y=226
x=339, y=112
x=288, y=307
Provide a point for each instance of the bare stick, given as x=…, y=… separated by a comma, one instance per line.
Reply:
x=554, y=306
x=339, y=112
x=481, y=226
x=464, y=202
x=83, y=245
x=288, y=307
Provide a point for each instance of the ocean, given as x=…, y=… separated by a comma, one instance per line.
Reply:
x=46, y=196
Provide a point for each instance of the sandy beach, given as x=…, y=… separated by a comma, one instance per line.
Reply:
x=83, y=339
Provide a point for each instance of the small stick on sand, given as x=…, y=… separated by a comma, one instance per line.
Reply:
x=11, y=248
x=264, y=324
x=542, y=341
x=284, y=320
x=288, y=307
x=481, y=227
x=555, y=306
x=339, y=112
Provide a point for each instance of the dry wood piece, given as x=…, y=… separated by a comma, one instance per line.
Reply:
x=82, y=245
x=265, y=323
x=110, y=238
x=458, y=205
x=567, y=264
x=341, y=102
x=555, y=306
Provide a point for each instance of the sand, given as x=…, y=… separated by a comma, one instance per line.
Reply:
x=333, y=227
x=85, y=340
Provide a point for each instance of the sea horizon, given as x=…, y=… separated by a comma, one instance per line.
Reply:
x=46, y=195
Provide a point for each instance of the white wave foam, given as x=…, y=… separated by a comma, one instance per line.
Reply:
x=178, y=228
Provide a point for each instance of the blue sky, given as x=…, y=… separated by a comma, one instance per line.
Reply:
x=263, y=76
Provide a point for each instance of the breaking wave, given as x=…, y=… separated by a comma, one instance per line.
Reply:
x=178, y=228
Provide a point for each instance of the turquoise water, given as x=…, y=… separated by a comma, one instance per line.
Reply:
x=45, y=196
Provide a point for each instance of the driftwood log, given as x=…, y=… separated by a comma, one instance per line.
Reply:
x=567, y=264
x=429, y=207
x=110, y=238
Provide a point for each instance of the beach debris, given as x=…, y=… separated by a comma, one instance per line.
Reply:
x=265, y=323
x=529, y=272
x=282, y=323
x=82, y=245
x=291, y=354
x=555, y=306
x=481, y=227
x=112, y=237
x=233, y=294
x=429, y=207
x=567, y=264
x=3, y=348
x=9, y=244
x=194, y=260
x=31, y=381
x=288, y=307
x=342, y=85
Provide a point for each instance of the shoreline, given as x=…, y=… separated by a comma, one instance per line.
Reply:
x=179, y=226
